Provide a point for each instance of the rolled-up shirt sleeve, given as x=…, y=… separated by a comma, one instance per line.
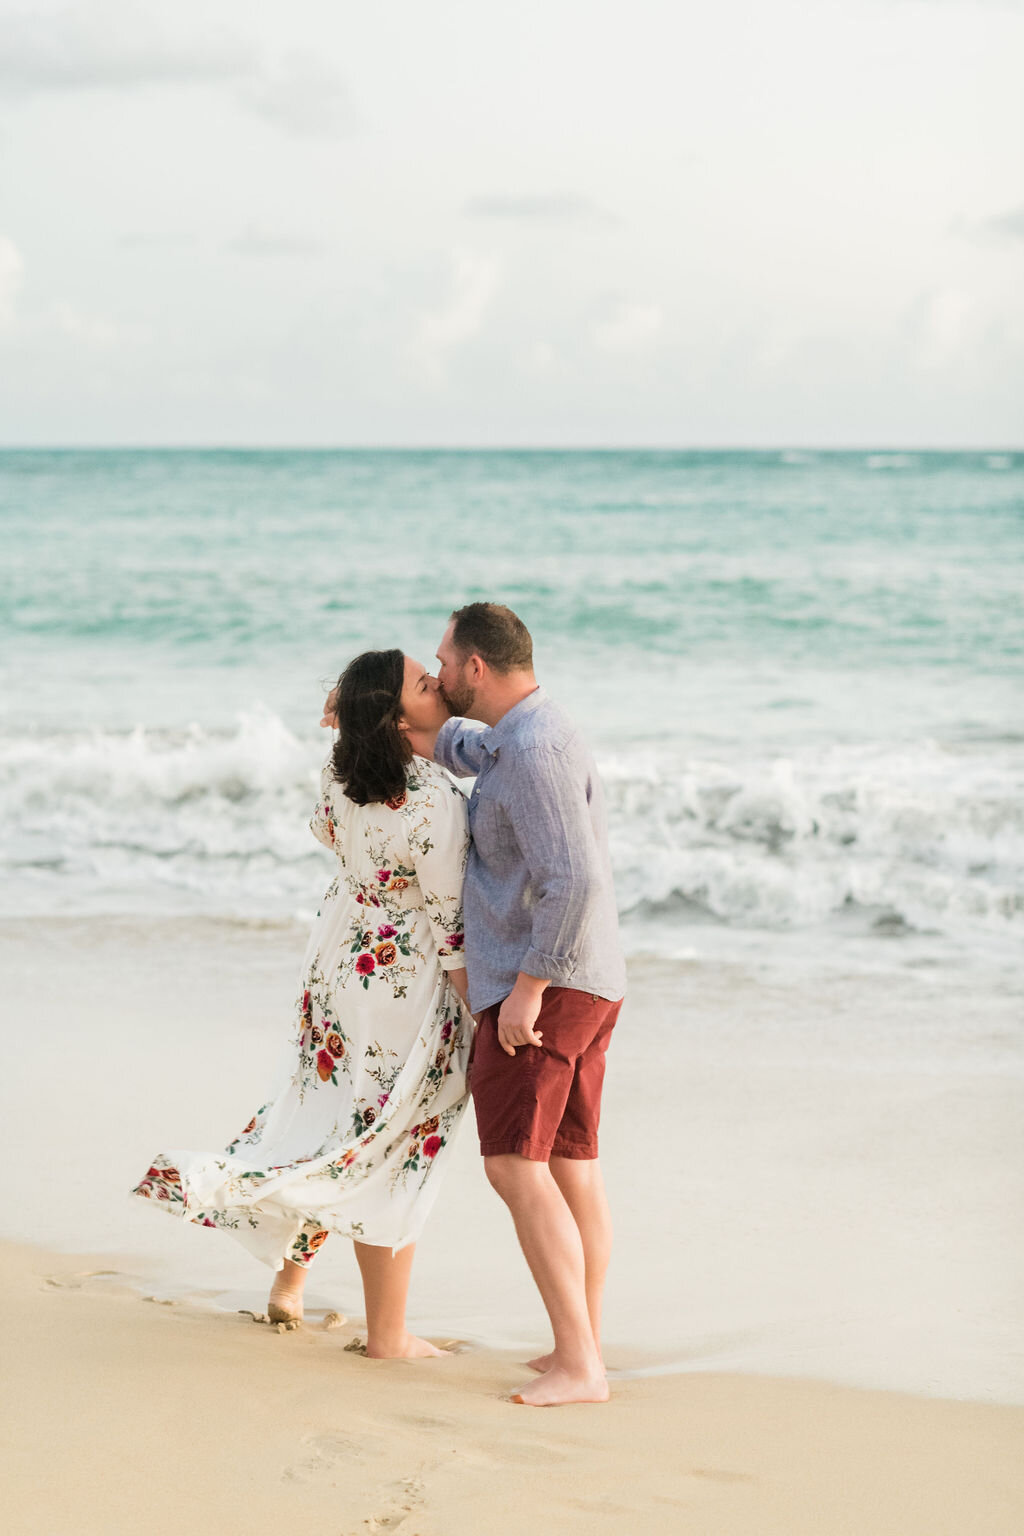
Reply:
x=459, y=747
x=551, y=818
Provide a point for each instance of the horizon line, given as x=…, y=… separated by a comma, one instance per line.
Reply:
x=229, y=447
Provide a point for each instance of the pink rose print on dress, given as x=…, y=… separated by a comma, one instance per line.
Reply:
x=385, y=931
x=383, y=876
x=366, y=965
x=455, y=940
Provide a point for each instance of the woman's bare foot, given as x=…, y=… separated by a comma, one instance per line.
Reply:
x=406, y=1347
x=561, y=1386
x=285, y=1304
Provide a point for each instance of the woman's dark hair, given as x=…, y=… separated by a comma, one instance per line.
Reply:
x=370, y=754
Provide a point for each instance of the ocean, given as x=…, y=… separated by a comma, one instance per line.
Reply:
x=801, y=673
x=801, y=676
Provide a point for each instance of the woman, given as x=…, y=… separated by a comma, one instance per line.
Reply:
x=357, y=1137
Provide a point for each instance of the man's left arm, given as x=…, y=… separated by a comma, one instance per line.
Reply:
x=550, y=816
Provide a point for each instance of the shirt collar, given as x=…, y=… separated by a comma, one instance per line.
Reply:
x=497, y=735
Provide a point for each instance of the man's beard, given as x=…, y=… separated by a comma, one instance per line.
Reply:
x=460, y=700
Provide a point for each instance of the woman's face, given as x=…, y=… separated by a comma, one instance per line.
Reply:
x=423, y=708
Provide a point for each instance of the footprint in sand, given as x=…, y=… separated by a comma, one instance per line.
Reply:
x=406, y=1498
x=322, y=1455
x=80, y=1281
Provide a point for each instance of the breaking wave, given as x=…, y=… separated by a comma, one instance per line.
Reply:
x=201, y=821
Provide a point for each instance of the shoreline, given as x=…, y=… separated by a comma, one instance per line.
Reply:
x=170, y=1418
x=811, y=1177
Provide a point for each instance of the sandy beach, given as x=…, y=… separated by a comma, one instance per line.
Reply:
x=814, y=1176
x=122, y=1415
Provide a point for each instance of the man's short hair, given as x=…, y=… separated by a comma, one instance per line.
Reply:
x=495, y=634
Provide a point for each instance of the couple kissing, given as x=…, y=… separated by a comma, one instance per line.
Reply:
x=463, y=945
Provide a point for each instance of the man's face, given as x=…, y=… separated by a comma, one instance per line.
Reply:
x=451, y=676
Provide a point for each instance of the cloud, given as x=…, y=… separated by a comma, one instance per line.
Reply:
x=439, y=332
x=115, y=47
x=949, y=321
x=95, y=330
x=257, y=242
x=156, y=240
x=111, y=47
x=627, y=327
x=1009, y=226
x=11, y=268
x=303, y=96
x=552, y=208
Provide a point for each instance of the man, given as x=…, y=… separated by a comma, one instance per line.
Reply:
x=546, y=974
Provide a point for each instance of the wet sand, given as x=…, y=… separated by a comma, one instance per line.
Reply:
x=813, y=1173
x=121, y=1416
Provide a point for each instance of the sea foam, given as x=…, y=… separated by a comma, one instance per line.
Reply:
x=216, y=822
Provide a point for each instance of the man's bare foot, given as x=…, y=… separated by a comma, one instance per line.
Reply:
x=542, y=1363
x=560, y=1386
x=408, y=1347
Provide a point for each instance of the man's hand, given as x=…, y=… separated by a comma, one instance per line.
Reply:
x=330, y=715
x=518, y=1014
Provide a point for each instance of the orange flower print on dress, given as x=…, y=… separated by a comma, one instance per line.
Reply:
x=360, y=1125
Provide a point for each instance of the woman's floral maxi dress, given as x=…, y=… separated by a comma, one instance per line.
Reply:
x=356, y=1139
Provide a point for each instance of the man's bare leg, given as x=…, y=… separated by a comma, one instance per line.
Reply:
x=553, y=1248
x=582, y=1188
x=386, y=1290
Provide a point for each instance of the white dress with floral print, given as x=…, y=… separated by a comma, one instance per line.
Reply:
x=356, y=1138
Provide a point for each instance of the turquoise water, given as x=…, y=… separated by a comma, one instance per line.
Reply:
x=801, y=671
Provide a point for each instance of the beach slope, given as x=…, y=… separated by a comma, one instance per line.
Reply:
x=123, y=1416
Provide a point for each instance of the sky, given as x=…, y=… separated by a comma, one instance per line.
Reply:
x=570, y=223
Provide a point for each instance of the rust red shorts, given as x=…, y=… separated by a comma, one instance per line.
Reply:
x=546, y=1099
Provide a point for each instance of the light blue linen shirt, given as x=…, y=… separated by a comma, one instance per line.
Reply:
x=538, y=895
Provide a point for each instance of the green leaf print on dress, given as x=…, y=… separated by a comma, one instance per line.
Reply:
x=357, y=1136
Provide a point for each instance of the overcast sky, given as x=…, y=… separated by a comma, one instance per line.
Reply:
x=745, y=222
